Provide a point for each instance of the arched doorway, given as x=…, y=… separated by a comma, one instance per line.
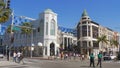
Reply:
x=52, y=49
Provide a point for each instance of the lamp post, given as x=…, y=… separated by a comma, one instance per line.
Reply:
x=32, y=48
x=40, y=44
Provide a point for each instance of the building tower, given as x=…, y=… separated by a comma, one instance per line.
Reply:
x=87, y=33
x=48, y=28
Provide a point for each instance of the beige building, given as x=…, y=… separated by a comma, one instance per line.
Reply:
x=87, y=33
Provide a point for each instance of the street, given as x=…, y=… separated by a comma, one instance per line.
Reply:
x=38, y=63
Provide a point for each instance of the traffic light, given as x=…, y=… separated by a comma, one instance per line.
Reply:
x=8, y=4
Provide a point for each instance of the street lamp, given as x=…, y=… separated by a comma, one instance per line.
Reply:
x=32, y=48
x=40, y=45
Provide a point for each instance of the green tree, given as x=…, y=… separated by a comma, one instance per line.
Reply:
x=102, y=39
x=9, y=29
x=27, y=28
x=4, y=13
x=114, y=42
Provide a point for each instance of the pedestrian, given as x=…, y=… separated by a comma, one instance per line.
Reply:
x=83, y=56
x=21, y=58
x=92, y=59
x=65, y=56
x=61, y=55
x=18, y=57
x=74, y=55
x=14, y=56
x=80, y=55
x=99, y=59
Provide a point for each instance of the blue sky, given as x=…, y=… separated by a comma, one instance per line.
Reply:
x=104, y=12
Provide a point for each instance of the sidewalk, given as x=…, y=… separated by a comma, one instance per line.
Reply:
x=7, y=63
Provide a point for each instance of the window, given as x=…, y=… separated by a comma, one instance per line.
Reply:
x=84, y=18
x=95, y=31
x=65, y=43
x=84, y=43
x=46, y=28
x=84, y=30
x=38, y=29
x=84, y=22
x=52, y=28
x=89, y=31
x=95, y=44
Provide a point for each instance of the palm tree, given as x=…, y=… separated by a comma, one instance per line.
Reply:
x=27, y=30
x=9, y=29
x=4, y=13
x=114, y=42
x=102, y=39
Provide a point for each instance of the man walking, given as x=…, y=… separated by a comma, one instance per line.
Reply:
x=92, y=60
x=99, y=59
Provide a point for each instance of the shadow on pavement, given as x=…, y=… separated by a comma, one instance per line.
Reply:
x=85, y=66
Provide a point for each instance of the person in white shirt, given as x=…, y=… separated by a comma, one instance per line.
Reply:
x=14, y=56
x=18, y=56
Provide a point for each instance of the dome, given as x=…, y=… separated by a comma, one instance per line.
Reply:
x=48, y=10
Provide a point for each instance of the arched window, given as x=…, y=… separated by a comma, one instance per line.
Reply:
x=52, y=27
x=46, y=28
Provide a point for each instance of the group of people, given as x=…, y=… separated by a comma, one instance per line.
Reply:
x=17, y=57
x=99, y=59
x=70, y=55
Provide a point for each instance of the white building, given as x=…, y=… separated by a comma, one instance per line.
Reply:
x=46, y=32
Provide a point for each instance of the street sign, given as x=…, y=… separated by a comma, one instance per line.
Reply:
x=16, y=28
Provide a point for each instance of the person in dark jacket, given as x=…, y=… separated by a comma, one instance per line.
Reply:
x=92, y=60
x=99, y=59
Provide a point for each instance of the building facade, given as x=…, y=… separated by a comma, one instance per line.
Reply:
x=87, y=33
x=46, y=32
x=48, y=38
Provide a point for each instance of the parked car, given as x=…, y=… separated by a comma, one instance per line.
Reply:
x=113, y=57
x=1, y=55
x=109, y=57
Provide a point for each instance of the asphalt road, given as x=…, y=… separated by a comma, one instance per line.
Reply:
x=37, y=63
x=70, y=64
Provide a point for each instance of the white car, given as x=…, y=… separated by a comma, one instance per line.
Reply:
x=112, y=57
x=1, y=55
x=109, y=57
